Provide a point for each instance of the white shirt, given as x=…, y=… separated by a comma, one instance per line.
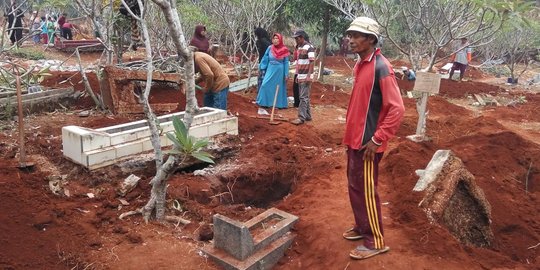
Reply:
x=461, y=55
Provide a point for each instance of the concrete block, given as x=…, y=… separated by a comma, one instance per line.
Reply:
x=99, y=157
x=123, y=137
x=233, y=237
x=93, y=140
x=200, y=131
x=263, y=259
x=147, y=145
x=72, y=144
x=456, y=202
x=143, y=133
x=165, y=141
x=256, y=244
x=128, y=149
x=432, y=170
x=217, y=127
x=232, y=126
x=123, y=127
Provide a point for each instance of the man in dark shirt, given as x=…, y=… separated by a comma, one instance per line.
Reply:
x=14, y=16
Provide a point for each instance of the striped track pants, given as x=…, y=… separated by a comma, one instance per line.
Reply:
x=363, y=175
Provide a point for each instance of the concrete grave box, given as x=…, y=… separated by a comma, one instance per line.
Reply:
x=256, y=244
x=96, y=148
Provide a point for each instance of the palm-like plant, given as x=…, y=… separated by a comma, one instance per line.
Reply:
x=186, y=145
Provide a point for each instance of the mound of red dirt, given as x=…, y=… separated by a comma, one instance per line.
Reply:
x=454, y=89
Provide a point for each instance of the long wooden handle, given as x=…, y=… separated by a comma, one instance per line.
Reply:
x=274, y=105
x=22, y=152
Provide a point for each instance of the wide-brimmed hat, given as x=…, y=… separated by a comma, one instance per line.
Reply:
x=365, y=25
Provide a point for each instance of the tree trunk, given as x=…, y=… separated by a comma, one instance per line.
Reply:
x=156, y=203
x=171, y=16
x=87, y=86
x=324, y=44
x=431, y=63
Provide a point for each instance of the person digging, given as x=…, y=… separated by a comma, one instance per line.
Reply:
x=374, y=114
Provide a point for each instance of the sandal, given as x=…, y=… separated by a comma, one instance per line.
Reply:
x=352, y=234
x=297, y=121
x=362, y=252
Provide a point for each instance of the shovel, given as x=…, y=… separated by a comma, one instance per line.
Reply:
x=272, y=122
x=23, y=164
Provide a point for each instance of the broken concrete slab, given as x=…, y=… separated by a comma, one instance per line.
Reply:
x=85, y=44
x=242, y=84
x=119, y=88
x=128, y=185
x=35, y=98
x=432, y=170
x=454, y=200
x=256, y=244
x=480, y=100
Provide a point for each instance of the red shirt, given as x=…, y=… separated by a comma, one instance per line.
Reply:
x=61, y=21
x=375, y=107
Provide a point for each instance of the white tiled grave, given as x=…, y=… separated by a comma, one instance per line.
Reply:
x=96, y=148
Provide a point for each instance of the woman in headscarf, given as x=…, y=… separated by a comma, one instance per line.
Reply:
x=275, y=63
x=263, y=41
x=199, y=40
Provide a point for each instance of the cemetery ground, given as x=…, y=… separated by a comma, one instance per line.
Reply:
x=297, y=169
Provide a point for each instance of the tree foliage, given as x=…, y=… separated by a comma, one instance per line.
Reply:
x=422, y=30
x=516, y=45
x=309, y=15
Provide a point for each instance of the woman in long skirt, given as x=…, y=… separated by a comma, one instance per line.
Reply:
x=275, y=63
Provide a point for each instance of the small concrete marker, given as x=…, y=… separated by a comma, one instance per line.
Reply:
x=256, y=244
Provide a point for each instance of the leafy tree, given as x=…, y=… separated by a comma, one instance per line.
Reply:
x=421, y=29
x=515, y=45
x=234, y=21
x=326, y=21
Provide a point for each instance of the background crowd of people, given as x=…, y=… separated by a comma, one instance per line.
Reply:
x=43, y=29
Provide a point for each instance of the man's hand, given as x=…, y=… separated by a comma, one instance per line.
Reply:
x=370, y=149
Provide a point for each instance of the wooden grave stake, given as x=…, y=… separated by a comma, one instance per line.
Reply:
x=426, y=83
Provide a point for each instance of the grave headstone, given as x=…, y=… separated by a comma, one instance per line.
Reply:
x=256, y=244
x=453, y=199
x=426, y=83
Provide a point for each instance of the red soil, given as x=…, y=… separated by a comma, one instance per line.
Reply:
x=303, y=164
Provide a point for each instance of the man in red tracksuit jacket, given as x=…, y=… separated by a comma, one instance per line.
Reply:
x=374, y=114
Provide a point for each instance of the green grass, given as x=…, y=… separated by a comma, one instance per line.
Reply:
x=27, y=53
